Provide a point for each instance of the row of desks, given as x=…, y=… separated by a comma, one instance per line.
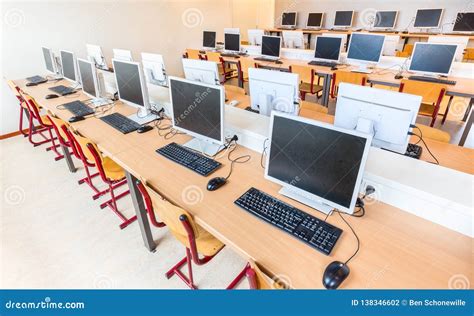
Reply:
x=398, y=250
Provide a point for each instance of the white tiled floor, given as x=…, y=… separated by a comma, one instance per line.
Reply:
x=53, y=235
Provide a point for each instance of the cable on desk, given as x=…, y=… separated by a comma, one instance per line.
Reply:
x=355, y=234
x=424, y=143
x=263, y=152
x=240, y=159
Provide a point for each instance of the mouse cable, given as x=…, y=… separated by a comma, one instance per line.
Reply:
x=353, y=231
x=426, y=146
x=240, y=159
x=264, y=152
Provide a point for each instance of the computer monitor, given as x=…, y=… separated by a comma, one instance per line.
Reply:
x=428, y=18
x=198, y=110
x=201, y=71
x=343, y=18
x=209, y=39
x=95, y=54
x=315, y=20
x=365, y=49
x=387, y=115
x=132, y=89
x=92, y=83
x=49, y=60
x=316, y=163
x=460, y=41
x=328, y=48
x=271, y=46
x=255, y=36
x=68, y=62
x=385, y=19
x=293, y=39
x=464, y=22
x=272, y=90
x=122, y=54
x=232, y=42
x=432, y=59
x=288, y=19
x=343, y=37
x=154, y=69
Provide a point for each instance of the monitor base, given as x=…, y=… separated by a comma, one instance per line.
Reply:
x=98, y=102
x=323, y=208
x=207, y=148
x=142, y=120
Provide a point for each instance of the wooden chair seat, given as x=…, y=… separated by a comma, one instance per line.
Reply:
x=434, y=133
x=206, y=244
x=306, y=87
x=112, y=170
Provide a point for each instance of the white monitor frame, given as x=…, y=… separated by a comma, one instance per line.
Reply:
x=255, y=36
x=428, y=27
x=305, y=195
x=386, y=27
x=341, y=45
x=343, y=26
x=215, y=39
x=202, y=67
x=289, y=25
x=240, y=46
x=279, y=52
x=122, y=54
x=154, y=63
x=222, y=109
x=231, y=30
x=53, y=61
x=427, y=73
x=292, y=37
x=75, y=65
x=320, y=24
x=95, y=52
x=94, y=77
x=454, y=24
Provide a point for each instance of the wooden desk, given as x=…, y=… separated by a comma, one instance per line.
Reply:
x=398, y=250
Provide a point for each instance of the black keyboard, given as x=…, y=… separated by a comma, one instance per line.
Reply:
x=189, y=159
x=414, y=151
x=434, y=80
x=37, y=79
x=120, y=123
x=77, y=108
x=309, y=229
x=230, y=55
x=266, y=59
x=62, y=90
x=322, y=63
x=383, y=31
x=252, y=110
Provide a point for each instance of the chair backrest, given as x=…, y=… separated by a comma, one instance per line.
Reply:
x=98, y=160
x=80, y=143
x=347, y=76
x=432, y=93
x=469, y=54
x=57, y=126
x=408, y=48
x=34, y=110
x=193, y=53
x=245, y=64
x=260, y=281
x=305, y=73
x=214, y=56
x=76, y=148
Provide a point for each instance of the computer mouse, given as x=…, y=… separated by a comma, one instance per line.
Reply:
x=216, y=183
x=334, y=68
x=51, y=96
x=398, y=77
x=144, y=129
x=76, y=119
x=336, y=272
x=31, y=84
x=279, y=62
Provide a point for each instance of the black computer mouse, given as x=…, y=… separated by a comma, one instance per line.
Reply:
x=336, y=272
x=216, y=183
x=279, y=62
x=76, y=119
x=398, y=77
x=144, y=129
x=334, y=68
x=51, y=96
x=31, y=84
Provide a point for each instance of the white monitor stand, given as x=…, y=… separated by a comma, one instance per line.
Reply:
x=318, y=205
x=143, y=116
x=203, y=146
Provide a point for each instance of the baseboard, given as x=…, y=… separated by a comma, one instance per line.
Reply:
x=12, y=134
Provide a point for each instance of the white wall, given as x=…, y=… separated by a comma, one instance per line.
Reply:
x=366, y=8
x=251, y=14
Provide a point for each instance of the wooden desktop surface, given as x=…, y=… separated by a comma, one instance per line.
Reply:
x=398, y=250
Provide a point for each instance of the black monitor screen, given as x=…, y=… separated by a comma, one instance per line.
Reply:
x=365, y=47
x=87, y=77
x=436, y=58
x=428, y=18
x=328, y=48
x=288, y=18
x=464, y=22
x=232, y=42
x=271, y=46
x=128, y=82
x=196, y=108
x=67, y=60
x=209, y=39
x=385, y=19
x=315, y=19
x=321, y=161
x=47, y=59
x=343, y=18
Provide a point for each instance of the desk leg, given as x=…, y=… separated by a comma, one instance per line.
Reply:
x=467, y=129
x=468, y=110
x=326, y=89
x=140, y=210
x=68, y=158
x=309, y=41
